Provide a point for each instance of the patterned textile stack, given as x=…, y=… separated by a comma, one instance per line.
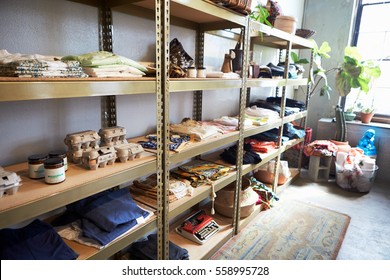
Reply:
x=196, y=129
x=200, y=172
x=148, y=188
x=106, y=64
x=38, y=66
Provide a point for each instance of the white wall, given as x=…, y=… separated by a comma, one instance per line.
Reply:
x=331, y=20
x=57, y=27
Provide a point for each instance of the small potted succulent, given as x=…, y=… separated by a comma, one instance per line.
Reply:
x=366, y=114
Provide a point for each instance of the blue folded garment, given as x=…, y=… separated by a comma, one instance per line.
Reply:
x=147, y=250
x=36, y=241
x=103, y=237
x=112, y=210
x=104, y=216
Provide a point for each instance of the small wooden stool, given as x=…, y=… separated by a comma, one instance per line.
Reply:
x=319, y=168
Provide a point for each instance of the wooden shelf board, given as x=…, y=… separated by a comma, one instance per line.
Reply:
x=275, y=82
x=275, y=38
x=35, y=197
x=193, y=148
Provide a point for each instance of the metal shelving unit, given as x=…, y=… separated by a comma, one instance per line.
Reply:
x=204, y=16
x=271, y=37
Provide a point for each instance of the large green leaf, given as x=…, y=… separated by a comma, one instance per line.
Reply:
x=343, y=84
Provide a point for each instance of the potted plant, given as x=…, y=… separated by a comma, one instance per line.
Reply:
x=353, y=73
x=366, y=114
x=261, y=14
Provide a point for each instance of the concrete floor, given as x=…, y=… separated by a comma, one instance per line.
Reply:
x=368, y=234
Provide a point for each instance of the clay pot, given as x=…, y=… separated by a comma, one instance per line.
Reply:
x=342, y=146
x=366, y=117
x=286, y=23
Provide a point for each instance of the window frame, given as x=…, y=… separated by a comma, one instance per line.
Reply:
x=383, y=118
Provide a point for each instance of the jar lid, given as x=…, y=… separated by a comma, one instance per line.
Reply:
x=37, y=157
x=57, y=153
x=53, y=161
x=191, y=67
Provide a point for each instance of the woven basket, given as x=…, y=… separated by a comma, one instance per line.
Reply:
x=305, y=33
x=241, y=6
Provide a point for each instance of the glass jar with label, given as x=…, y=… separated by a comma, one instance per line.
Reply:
x=54, y=170
x=36, y=168
x=60, y=154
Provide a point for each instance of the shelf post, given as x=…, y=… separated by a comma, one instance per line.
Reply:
x=108, y=103
x=240, y=144
x=282, y=109
x=199, y=60
x=162, y=123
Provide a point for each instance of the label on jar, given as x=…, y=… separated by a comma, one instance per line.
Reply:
x=65, y=159
x=54, y=176
x=36, y=171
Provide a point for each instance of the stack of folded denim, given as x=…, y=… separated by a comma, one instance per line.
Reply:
x=289, y=102
x=250, y=157
x=99, y=219
x=35, y=241
x=146, y=249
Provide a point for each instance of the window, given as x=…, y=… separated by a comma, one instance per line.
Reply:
x=372, y=37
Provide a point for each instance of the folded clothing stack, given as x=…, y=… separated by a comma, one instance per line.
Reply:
x=250, y=157
x=176, y=141
x=200, y=172
x=261, y=146
x=260, y=116
x=274, y=107
x=38, y=66
x=99, y=219
x=148, y=187
x=107, y=64
x=35, y=241
x=196, y=129
x=291, y=103
x=146, y=249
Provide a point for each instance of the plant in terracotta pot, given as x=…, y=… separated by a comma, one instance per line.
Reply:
x=353, y=73
x=356, y=73
x=366, y=114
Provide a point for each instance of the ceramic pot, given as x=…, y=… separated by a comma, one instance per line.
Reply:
x=342, y=146
x=349, y=116
x=286, y=23
x=366, y=117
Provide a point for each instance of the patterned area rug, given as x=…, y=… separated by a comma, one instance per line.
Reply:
x=292, y=230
